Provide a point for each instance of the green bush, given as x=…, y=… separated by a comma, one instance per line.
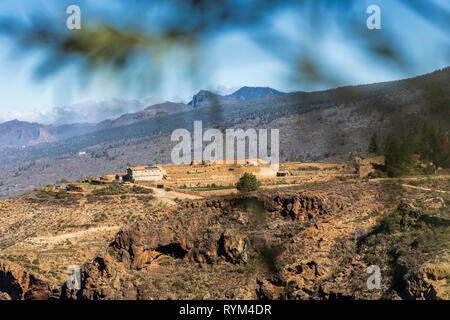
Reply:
x=110, y=190
x=45, y=192
x=248, y=182
x=61, y=194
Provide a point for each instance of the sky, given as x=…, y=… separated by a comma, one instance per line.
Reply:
x=227, y=60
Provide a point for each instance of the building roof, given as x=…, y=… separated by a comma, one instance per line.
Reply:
x=139, y=168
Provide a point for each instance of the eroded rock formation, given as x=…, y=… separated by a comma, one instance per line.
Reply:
x=292, y=244
x=17, y=283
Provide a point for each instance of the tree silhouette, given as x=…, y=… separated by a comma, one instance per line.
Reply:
x=374, y=144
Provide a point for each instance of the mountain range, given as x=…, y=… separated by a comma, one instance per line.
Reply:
x=17, y=133
x=330, y=125
x=22, y=133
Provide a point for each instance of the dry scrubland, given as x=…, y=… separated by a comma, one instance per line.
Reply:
x=312, y=240
x=46, y=232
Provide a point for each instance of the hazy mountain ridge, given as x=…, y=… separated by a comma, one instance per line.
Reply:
x=22, y=133
x=255, y=93
x=165, y=108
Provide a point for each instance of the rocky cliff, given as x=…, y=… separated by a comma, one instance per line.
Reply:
x=18, y=283
x=313, y=243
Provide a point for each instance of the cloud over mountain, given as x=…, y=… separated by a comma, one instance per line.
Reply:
x=83, y=112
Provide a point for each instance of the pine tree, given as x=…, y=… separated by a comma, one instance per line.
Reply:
x=374, y=144
x=392, y=157
x=248, y=182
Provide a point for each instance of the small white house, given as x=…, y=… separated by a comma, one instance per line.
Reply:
x=145, y=173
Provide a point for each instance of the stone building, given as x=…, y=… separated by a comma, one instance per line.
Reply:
x=121, y=176
x=145, y=173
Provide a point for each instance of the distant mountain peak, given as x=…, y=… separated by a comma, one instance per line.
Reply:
x=253, y=93
x=206, y=98
x=202, y=98
x=24, y=133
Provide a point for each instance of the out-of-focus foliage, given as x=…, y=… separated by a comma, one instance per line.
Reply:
x=148, y=30
x=134, y=45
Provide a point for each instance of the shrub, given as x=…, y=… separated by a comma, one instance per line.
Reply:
x=141, y=190
x=45, y=192
x=73, y=187
x=110, y=190
x=61, y=194
x=248, y=182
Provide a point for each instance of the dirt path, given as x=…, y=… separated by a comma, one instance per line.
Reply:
x=422, y=188
x=68, y=236
x=406, y=178
x=170, y=196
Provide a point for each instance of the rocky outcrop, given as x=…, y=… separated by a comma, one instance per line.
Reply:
x=212, y=229
x=18, y=283
x=206, y=98
x=429, y=281
x=306, y=206
x=291, y=244
x=284, y=237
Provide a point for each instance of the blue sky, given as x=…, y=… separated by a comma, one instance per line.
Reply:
x=229, y=59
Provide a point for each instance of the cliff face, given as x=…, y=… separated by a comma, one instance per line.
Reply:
x=17, y=283
x=256, y=246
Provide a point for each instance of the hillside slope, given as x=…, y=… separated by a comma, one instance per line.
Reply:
x=17, y=133
x=327, y=125
x=309, y=242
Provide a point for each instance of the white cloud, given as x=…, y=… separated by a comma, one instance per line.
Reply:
x=224, y=90
x=87, y=111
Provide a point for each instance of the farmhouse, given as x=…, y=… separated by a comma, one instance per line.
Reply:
x=121, y=176
x=145, y=173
